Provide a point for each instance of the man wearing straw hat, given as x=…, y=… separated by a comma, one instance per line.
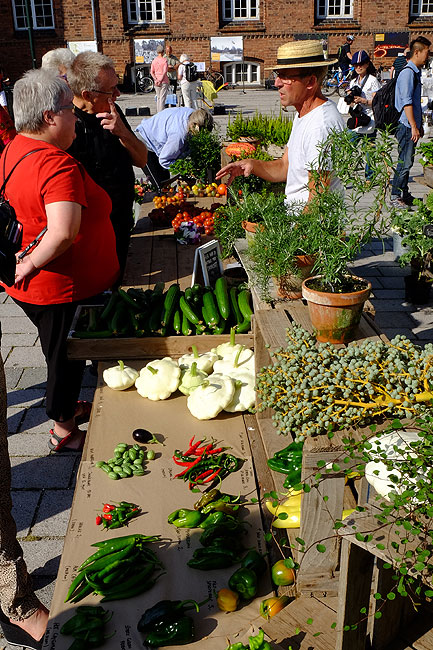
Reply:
x=301, y=68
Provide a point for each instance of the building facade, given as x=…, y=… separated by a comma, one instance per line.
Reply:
x=114, y=26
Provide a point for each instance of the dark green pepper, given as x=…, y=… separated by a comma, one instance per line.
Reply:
x=244, y=582
x=207, y=497
x=288, y=461
x=179, y=631
x=185, y=518
x=216, y=518
x=164, y=610
x=226, y=528
x=255, y=561
x=221, y=505
x=213, y=557
x=289, y=450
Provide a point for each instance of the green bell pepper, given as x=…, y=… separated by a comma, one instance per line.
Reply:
x=226, y=528
x=255, y=561
x=288, y=461
x=185, y=518
x=244, y=582
x=213, y=557
x=178, y=631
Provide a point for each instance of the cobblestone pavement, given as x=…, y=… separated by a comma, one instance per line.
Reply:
x=43, y=485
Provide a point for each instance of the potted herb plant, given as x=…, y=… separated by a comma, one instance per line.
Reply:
x=426, y=160
x=335, y=297
x=203, y=159
x=418, y=249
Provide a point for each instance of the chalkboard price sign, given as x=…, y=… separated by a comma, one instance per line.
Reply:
x=208, y=257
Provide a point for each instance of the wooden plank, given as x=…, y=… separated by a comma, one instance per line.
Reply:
x=354, y=593
x=386, y=628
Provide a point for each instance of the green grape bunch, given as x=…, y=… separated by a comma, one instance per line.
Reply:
x=317, y=388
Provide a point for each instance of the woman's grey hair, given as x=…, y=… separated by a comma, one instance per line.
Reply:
x=83, y=73
x=62, y=56
x=36, y=92
x=200, y=119
x=184, y=57
x=159, y=49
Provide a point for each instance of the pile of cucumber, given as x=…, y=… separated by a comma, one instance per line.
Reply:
x=155, y=312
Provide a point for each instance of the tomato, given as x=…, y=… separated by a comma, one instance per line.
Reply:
x=222, y=189
x=240, y=192
x=282, y=574
x=271, y=606
x=185, y=215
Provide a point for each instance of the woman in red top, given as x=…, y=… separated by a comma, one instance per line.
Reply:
x=76, y=257
x=158, y=70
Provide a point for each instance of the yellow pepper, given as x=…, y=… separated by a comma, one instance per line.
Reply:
x=227, y=600
x=292, y=508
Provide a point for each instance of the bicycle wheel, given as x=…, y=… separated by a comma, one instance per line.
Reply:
x=144, y=83
x=343, y=87
x=329, y=84
x=216, y=78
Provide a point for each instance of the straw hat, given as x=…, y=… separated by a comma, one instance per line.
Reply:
x=301, y=54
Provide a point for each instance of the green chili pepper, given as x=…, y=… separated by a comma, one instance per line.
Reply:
x=165, y=609
x=223, y=529
x=213, y=557
x=185, y=518
x=244, y=582
x=207, y=497
x=255, y=561
x=177, y=632
x=290, y=449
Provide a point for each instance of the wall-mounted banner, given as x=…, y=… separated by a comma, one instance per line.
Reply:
x=145, y=49
x=82, y=46
x=226, y=48
x=390, y=44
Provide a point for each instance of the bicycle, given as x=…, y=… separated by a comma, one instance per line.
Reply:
x=144, y=83
x=214, y=77
x=337, y=80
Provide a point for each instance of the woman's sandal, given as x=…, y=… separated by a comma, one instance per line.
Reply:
x=16, y=636
x=61, y=442
x=82, y=412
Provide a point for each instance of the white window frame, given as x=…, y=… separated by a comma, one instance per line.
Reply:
x=35, y=25
x=420, y=8
x=232, y=7
x=138, y=20
x=324, y=9
x=249, y=80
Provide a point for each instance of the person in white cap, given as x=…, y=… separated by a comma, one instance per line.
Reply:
x=301, y=68
x=344, y=55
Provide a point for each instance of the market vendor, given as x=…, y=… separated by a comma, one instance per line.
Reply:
x=301, y=67
x=166, y=136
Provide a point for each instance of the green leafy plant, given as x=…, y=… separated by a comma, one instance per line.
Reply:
x=426, y=151
x=410, y=225
x=269, y=129
x=253, y=183
x=204, y=156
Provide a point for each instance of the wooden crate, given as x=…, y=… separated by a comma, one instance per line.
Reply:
x=319, y=571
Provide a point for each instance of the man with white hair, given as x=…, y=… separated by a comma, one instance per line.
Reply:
x=187, y=86
x=105, y=143
x=58, y=60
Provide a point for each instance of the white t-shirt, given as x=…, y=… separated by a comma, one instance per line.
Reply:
x=3, y=101
x=307, y=132
x=371, y=86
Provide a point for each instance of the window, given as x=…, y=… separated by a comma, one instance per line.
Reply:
x=238, y=73
x=146, y=11
x=421, y=7
x=335, y=8
x=240, y=9
x=41, y=14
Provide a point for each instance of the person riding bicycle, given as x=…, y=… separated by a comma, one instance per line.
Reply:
x=344, y=55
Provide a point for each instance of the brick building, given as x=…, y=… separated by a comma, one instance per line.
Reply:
x=188, y=27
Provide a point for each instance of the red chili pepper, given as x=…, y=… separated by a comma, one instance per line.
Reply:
x=194, y=462
x=108, y=507
x=210, y=478
x=194, y=448
x=98, y=520
x=108, y=516
x=219, y=450
x=203, y=475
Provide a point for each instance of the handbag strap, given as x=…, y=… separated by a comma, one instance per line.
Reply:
x=29, y=153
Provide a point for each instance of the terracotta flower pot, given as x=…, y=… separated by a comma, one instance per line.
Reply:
x=289, y=287
x=335, y=316
x=250, y=229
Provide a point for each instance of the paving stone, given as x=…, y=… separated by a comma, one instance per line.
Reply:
x=43, y=556
x=366, y=270
x=32, y=378
x=28, y=444
x=389, y=294
x=3, y=297
x=5, y=352
x=13, y=376
x=17, y=325
x=390, y=332
x=19, y=339
x=392, y=270
x=391, y=305
x=23, y=509
x=26, y=397
x=396, y=319
x=53, y=513
x=15, y=416
x=36, y=421
x=45, y=472
x=395, y=282
x=425, y=335
x=26, y=357
x=10, y=309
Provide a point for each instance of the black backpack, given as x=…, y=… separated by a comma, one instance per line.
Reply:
x=383, y=104
x=191, y=72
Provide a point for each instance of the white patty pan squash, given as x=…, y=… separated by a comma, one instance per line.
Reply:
x=245, y=395
x=120, y=377
x=209, y=399
x=230, y=349
x=191, y=378
x=204, y=361
x=158, y=379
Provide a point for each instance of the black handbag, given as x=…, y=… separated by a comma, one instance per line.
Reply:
x=11, y=230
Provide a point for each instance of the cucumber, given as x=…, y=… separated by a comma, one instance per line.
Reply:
x=220, y=328
x=102, y=334
x=128, y=300
x=186, y=325
x=206, y=318
x=109, y=307
x=155, y=316
x=119, y=317
x=233, y=294
x=244, y=297
x=211, y=308
x=158, y=289
x=189, y=295
x=170, y=304
x=189, y=312
x=243, y=327
x=222, y=297
x=92, y=319
x=177, y=321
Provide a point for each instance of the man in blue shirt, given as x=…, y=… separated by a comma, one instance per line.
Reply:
x=409, y=130
x=166, y=136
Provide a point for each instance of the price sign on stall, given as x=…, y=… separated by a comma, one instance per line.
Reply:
x=207, y=258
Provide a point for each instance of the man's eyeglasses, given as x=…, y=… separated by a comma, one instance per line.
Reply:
x=104, y=92
x=71, y=106
x=288, y=78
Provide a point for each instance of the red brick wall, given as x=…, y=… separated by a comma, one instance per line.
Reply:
x=189, y=26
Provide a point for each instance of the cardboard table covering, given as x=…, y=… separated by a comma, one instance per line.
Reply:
x=115, y=415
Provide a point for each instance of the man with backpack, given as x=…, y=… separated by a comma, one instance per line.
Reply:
x=344, y=55
x=409, y=128
x=188, y=78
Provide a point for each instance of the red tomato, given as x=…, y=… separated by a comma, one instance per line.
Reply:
x=185, y=215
